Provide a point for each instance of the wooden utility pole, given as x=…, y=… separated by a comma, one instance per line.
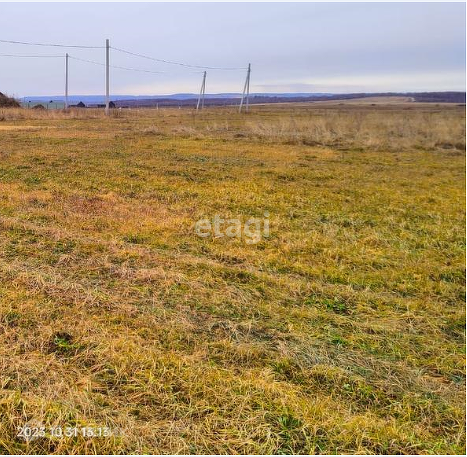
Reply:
x=107, y=76
x=66, y=81
x=246, y=91
x=201, y=93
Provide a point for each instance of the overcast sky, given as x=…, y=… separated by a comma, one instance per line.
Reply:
x=293, y=47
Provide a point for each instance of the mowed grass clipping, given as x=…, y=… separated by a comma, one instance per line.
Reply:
x=343, y=332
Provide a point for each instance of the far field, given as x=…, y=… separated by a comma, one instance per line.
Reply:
x=342, y=332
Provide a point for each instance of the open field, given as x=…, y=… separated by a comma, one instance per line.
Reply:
x=343, y=331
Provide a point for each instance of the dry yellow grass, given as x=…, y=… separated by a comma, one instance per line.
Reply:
x=341, y=332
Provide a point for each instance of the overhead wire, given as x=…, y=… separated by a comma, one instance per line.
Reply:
x=124, y=51
x=57, y=45
x=30, y=56
x=135, y=54
x=141, y=70
x=116, y=66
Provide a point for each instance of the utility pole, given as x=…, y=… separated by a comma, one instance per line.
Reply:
x=201, y=93
x=107, y=56
x=66, y=81
x=246, y=91
x=248, y=88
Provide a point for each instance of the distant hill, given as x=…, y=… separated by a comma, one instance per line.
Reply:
x=93, y=99
x=218, y=100
x=225, y=99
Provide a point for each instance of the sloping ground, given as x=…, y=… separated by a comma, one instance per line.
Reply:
x=343, y=331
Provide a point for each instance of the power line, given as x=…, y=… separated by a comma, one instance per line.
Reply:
x=30, y=56
x=115, y=66
x=82, y=60
x=134, y=54
x=246, y=89
x=176, y=63
x=52, y=44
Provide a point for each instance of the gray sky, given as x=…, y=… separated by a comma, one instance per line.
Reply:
x=293, y=47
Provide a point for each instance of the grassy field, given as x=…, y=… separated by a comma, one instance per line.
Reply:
x=341, y=332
